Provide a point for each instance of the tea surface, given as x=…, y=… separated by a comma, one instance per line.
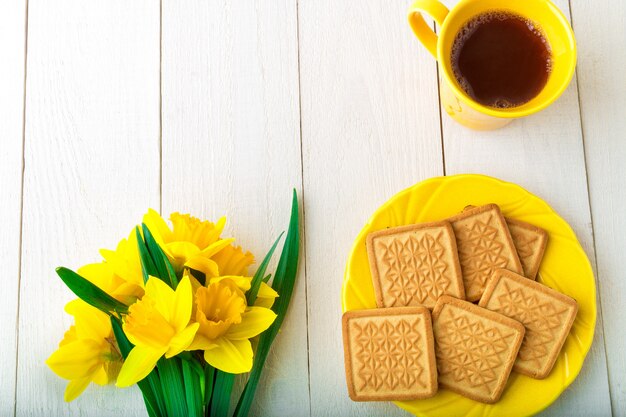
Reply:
x=501, y=59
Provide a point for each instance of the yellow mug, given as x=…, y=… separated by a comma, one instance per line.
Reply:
x=457, y=103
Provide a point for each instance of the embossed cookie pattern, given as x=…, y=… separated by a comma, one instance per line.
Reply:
x=546, y=314
x=389, y=354
x=475, y=348
x=530, y=242
x=484, y=245
x=414, y=265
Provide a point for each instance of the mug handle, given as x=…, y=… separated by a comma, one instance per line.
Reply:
x=424, y=33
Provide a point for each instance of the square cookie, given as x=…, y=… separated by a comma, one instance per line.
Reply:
x=389, y=354
x=484, y=245
x=530, y=242
x=546, y=314
x=475, y=348
x=414, y=265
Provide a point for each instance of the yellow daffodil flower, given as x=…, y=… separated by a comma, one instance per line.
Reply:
x=226, y=324
x=124, y=261
x=102, y=276
x=120, y=274
x=265, y=297
x=196, y=244
x=157, y=325
x=88, y=352
x=233, y=261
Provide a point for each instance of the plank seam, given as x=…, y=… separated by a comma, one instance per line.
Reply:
x=443, y=153
x=593, y=234
x=161, y=107
x=20, y=250
x=306, y=296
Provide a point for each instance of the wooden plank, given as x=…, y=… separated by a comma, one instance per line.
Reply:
x=231, y=146
x=92, y=170
x=12, y=49
x=370, y=128
x=602, y=88
x=543, y=153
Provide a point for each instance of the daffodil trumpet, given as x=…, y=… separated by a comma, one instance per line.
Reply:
x=173, y=310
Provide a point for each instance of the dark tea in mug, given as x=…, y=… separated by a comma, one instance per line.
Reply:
x=501, y=59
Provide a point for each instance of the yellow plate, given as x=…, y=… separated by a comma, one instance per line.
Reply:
x=565, y=267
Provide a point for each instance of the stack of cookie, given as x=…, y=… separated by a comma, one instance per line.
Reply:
x=402, y=351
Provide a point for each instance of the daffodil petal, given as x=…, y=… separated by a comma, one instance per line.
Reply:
x=112, y=370
x=264, y=302
x=90, y=323
x=244, y=283
x=98, y=274
x=108, y=254
x=76, y=359
x=205, y=265
x=100, y=376
x=75, y=388
x=69, y=336
x=265, y=291
x=128, y=293
x=146, y=326
x=131, y=268
x=233, y=356
x=158, y=226
x=182, y=340
x=195, y=284
x=201, y=342
x=124, y=261
x=233, y=261
x=220, y=224
x=183, y=249
x=215, y=247
x=163, y=296
x=254, y=321
x=266, y=296
x=140, y=362
x=180, y=308
x=192, y=229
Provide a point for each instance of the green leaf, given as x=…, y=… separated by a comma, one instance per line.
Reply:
x=220, y=403
x=90, y=293
x=147, y=264
x=209, y=376
x=154, y=262
x=170, y=268
x=193, y=394
x=153, y=250
x=283, y=283
x=164, y=268
x=173, y=386
x=258, y=277
x=287, y=269
x=152, y=398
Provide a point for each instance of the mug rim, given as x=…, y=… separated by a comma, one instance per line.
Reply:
x=512, y=112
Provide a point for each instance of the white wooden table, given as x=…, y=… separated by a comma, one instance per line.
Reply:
x=109, y=107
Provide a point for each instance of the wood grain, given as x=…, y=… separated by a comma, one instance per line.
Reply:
x=543, y=153
x=231, y=146
x=12, y=52
x=370, y=127
x=600, y=32
x=92, y=169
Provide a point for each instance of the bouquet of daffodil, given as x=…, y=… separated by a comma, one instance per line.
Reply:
x=174, y=311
